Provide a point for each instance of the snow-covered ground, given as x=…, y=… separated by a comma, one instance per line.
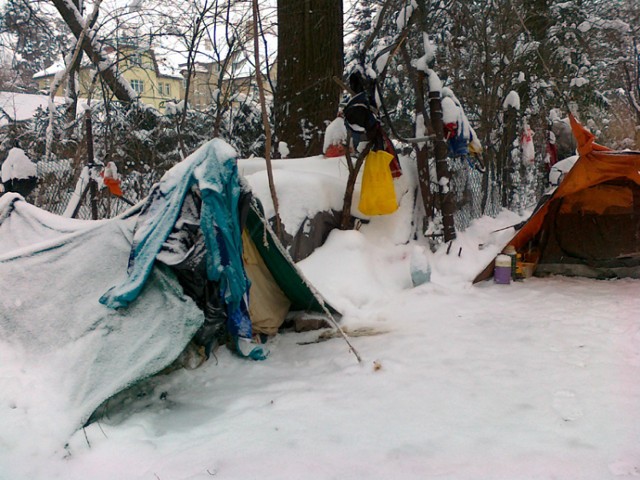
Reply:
x=539, y=379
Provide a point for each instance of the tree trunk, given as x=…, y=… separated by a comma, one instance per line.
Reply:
x=417, y=78
x=72, y=87
x=447, y=203
x=505, y=160
x=310, y=53
x=93, y=187
x=90, y=45
x=345, y=218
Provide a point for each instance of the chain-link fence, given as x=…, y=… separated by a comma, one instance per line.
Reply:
x=476, y=192
x=66, y=189
x=62, y=187
x=480, y=193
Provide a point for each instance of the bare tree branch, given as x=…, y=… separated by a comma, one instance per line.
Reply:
x=91, y=47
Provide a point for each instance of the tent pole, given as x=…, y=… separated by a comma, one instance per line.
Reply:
x=335, y=325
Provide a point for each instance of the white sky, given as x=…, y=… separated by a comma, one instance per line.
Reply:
x=267, y=11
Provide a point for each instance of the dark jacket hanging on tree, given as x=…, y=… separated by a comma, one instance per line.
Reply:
x=362, y=118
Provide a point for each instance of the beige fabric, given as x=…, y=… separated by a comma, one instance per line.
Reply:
x=268, y=305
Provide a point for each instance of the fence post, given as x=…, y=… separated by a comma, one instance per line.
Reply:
x=93, y=186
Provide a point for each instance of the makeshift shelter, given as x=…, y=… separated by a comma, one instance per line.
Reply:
x=590, y=225
x=78, y=353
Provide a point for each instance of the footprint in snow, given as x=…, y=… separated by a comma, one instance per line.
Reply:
x=566, y=404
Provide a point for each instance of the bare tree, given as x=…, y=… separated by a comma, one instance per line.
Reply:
x=91, y=45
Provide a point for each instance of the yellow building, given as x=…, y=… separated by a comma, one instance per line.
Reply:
x=154, y=82
x=245, y=82
x=206, y=86
x=203, y=86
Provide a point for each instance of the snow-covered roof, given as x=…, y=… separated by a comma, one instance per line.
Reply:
x=60, y=67
x=19, y=107
x=205, y=56
x=166, y=68
x=244, y=66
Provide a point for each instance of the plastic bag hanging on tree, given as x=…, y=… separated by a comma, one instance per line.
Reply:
x=526, y=143
x=377, y=195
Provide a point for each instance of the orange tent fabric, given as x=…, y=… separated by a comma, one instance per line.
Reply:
x=596, y=165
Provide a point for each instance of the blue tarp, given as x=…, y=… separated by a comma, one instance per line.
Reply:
x=216, y=175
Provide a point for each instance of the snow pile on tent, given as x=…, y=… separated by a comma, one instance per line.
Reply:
x=317, y=184
x=558, y=171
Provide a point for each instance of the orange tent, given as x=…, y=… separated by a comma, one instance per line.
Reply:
x=590, y=225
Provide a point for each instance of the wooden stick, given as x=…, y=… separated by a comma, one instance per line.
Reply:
x=265, y=122
x=343, y=85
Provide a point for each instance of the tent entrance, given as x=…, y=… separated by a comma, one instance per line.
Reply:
x=594, y=232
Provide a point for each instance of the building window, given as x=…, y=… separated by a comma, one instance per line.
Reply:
x=164, y=89
x=138, y=86
x=135, y=60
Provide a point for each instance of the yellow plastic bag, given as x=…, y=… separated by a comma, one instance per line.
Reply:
x=377, y=195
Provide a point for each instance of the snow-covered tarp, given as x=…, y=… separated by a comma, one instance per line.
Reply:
x=73, y=352
x=23, y=225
